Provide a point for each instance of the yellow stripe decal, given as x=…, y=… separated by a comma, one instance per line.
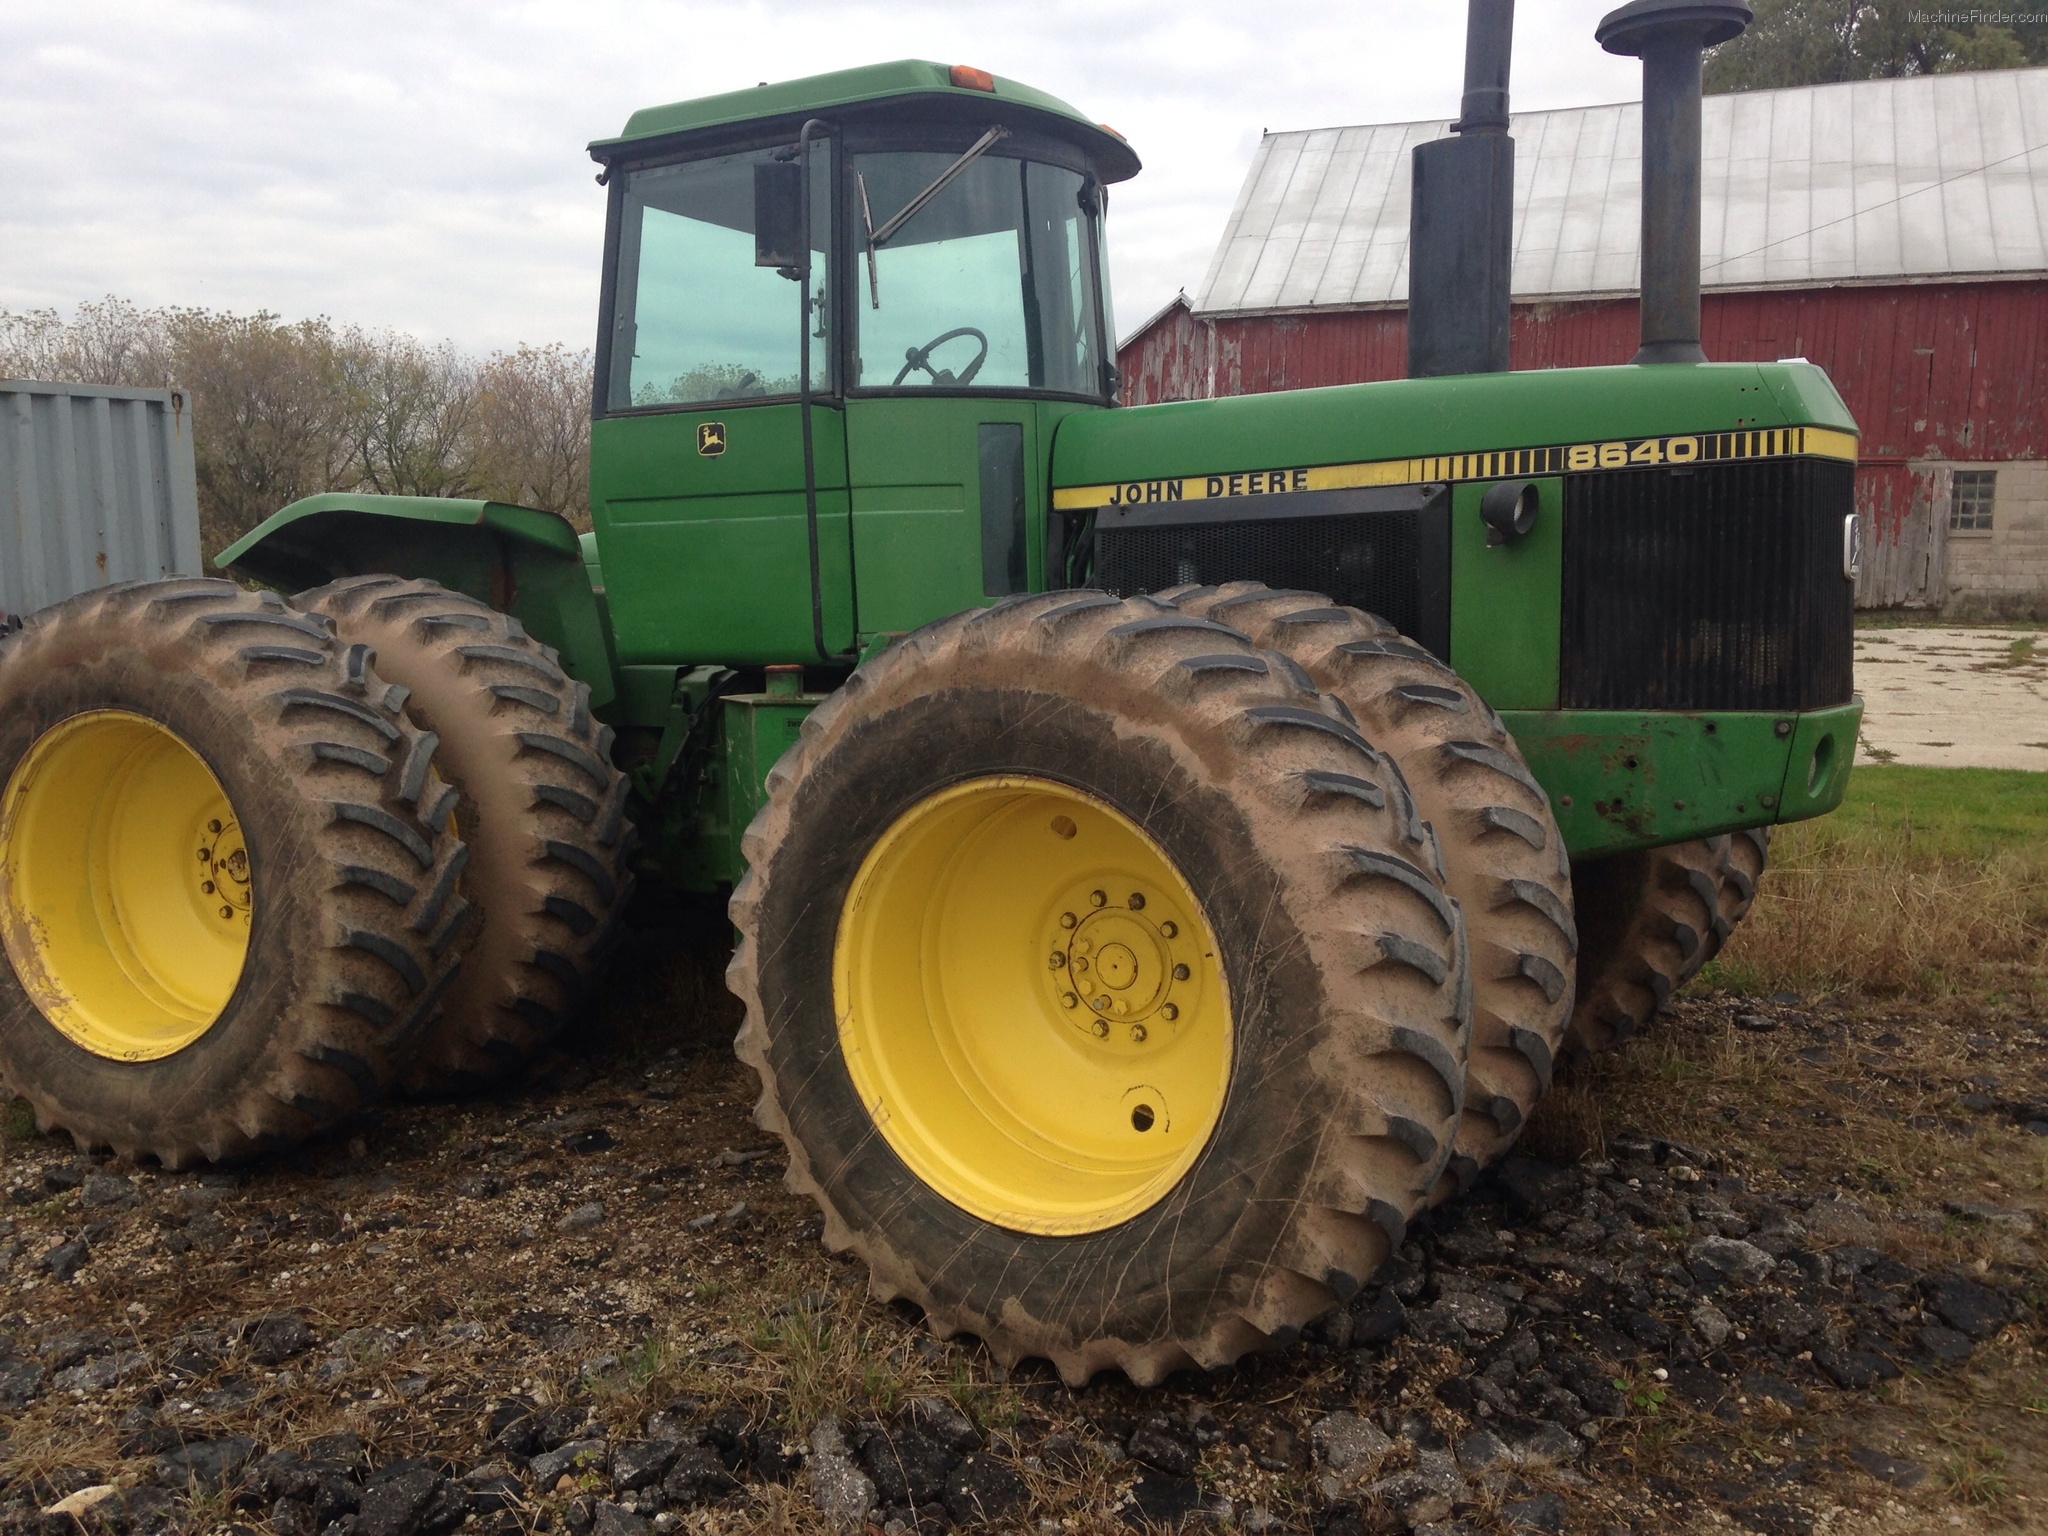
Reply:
x=1494, y=464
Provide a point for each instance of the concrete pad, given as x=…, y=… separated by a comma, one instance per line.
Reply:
x=1953, y=698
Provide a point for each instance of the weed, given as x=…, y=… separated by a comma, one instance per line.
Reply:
x=17, y=1121
x=1976, y=1473
x=1568, y=1126
x=823, y=1358
x=1642, y=1391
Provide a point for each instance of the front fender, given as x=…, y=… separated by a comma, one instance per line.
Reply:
x=522, y=561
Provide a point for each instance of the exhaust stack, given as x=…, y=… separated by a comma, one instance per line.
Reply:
x=1669, y=36
x=1461, y=218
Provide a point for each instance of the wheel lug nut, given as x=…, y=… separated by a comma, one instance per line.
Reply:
x=1181, y=973
x=1068, y=1000
x=1098, y=898
x=1137, y=902
x=1068, y=920
x=227, y=911
x=206, y=887
x=213, y=826
x=1081, y=963
x=1168, y=928
x=1137, y=1034
x=1169, y=1012
x=1102, y=1029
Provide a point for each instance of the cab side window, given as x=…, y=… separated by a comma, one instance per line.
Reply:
x=695, y=321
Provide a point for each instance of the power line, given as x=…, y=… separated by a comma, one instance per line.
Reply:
x=1933, y=186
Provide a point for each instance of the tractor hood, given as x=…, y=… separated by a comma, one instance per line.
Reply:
x=1471, y=427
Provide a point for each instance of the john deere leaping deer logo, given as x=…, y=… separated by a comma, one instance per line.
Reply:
x=711, y=438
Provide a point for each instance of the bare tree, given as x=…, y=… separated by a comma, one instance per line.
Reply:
x=533, y=429
x=108, y=342
x=269, y=417
x=284, y=409
x=411, y=409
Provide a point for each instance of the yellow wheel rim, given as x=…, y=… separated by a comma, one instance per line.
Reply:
x=124, y=885
x=1031, y=1005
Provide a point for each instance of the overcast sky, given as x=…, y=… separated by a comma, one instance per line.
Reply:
x=420, y=165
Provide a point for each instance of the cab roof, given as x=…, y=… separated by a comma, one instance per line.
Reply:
x=905, y=80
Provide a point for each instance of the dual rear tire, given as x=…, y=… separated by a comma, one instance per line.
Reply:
x=540, y=808
x=261, y=861
x=228, y=891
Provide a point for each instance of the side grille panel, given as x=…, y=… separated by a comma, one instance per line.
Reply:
x=1395, y=563
x=1721, y=588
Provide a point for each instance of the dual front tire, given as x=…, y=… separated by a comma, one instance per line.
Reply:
x=1123, y=975
x=1103, y=984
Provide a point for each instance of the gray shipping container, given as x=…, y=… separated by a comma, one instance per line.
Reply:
x=97, y=485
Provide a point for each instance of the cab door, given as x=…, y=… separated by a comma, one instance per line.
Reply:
x=975, y=326
x=697, y=464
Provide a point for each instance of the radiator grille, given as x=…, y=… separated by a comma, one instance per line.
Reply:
x=1718, y=588
x=1367, y=562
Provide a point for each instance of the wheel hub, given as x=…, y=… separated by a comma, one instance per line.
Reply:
x=224, y=869
x=125, y=885
x=1031, y=1005
x=1122, y=957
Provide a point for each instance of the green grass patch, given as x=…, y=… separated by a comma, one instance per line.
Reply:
x=1926, y=882
x=1946, y=813
x=1928, y=618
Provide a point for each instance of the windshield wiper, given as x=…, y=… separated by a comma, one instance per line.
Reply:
x=910, y=209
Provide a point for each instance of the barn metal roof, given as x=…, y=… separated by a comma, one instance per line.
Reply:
x=1930, y=177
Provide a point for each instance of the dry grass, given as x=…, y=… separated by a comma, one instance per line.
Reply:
x=1927, y=882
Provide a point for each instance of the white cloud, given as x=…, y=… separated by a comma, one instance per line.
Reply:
x=421, y=165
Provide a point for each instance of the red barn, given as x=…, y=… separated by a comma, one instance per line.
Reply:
x=1893, y=231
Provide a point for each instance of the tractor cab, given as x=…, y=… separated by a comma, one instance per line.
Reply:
x=841, y=319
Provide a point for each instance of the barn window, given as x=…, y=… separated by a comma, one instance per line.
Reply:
x=1969, y=508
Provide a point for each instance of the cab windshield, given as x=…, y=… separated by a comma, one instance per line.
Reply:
x=990, y=285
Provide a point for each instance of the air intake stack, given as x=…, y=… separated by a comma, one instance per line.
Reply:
x=1669, y=36
x=1461, y=219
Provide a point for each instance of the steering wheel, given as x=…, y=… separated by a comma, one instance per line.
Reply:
x=920, y=357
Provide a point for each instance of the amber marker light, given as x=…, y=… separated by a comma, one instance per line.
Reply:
x=968, y=78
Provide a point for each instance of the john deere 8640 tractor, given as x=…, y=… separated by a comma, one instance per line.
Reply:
x=1165, y=844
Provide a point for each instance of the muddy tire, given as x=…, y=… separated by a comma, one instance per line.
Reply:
x=207, y=1008
x=542, y=810
x=1504, y=856
x=1649, y=920
x=1749, y=854
x=967, y=777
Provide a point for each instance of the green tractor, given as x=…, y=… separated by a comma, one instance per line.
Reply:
x=1165, y=844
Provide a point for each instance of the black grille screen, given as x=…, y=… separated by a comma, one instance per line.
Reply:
x=1721, y=588
x=1367, y=562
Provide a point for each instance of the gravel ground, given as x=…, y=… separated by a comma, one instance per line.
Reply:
x=1953, y=698
x=590, y=1306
